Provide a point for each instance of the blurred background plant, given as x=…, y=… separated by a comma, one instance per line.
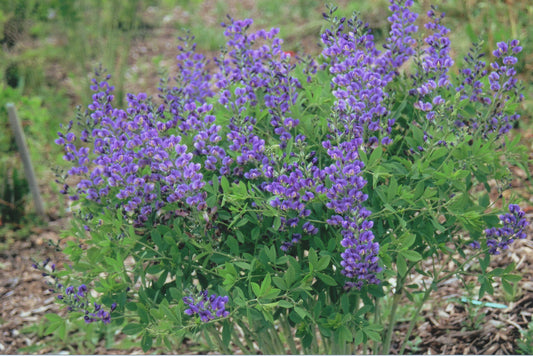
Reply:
x=525, y=344
x=13, y=194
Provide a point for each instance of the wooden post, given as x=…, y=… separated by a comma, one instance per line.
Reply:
x=26, y=161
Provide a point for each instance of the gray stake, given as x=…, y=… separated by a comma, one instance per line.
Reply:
x=25, y=155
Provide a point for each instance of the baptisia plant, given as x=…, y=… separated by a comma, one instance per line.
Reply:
x=275, y=199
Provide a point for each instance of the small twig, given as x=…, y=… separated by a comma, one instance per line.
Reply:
x=510, y=322
x=3, y=202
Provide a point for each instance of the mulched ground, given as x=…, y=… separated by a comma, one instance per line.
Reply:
x=449, y=326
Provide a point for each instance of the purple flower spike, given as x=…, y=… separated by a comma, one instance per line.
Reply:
x=514, y=224
x=207, y=307
x=77, y=299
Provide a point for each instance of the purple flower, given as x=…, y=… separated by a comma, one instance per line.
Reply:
x=502, y=88
x=514, y=224
x=77, y=299
x=207, y=307
x=435, y=63
x=132, y=150
x=361, y=75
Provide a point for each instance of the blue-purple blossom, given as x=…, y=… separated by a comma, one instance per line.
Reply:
x=131, y=152
x=434, y=65
x=400, y=45
x=206, y=307
x=76, y=298
x=360, y=120
x=294, y=186
x=500, y=238
x=254, y=64
x=502, y=83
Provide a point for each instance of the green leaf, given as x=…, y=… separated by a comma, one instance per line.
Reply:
x=143, y=314
x=226, y=332
x=52, y=327
x=326, y=332
x=54, y=318
x=271, y=253
x=169, y=313
x=256, y=289
x=255, y=233
x=419, y=190
x=372, y=335
x=392, y=191
x=243, y=221
x=461, y=174
x=240, y=236
x=241, y=190
x=401, y=265
x=375, y=157
x=146, y=342
x=266, y=285
x=233, y=245
x=514, y=278
x=359, y=338
x=290, y=276
x=438, y=153
x=484, y=262
x=343, y=334
x=242, y=265
x=62, y=331
x=313, y=258
x=285, y=304
x=407, y=240
x=277, y=223
x=279, y=282
x=132, y=306
x=224, y=184
x=157, y=314
x=323, y=263
x=507, y=287
x=326, y=279
x=411, y=255
x=174, y=293
x=83, y=267
x=301, y=312
x=132, y=329
x=484, y=200
x=345, y=303
x=211, y=201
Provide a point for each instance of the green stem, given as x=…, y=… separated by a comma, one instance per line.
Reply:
x=288, y=334
x=392, y=319
x=240, y=345
x=413, y=319
x=276, y=341
x=264, y=341
x=246, y=337
x=208, y=340
x=216, y=335
x=377, y=310
x=315, y=348
x=326, y=345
